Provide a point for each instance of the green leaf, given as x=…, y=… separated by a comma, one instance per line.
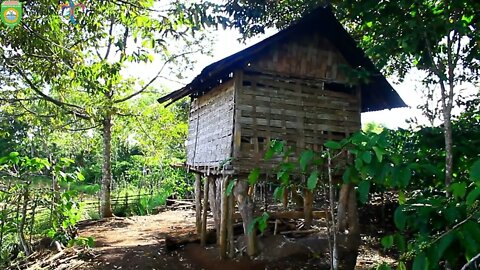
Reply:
x=367, y=157
x=90, y=242
x=400, y=242
x=276, y=147
x=13, y=154
x=230, y=186
x=401, y=197
x=253, y=176
x=472, y=196
x=80, y=176
x=358, y=163
x=363, y=190
x=420, y=262
x=383, y=266
x=459, y=189
x=443, y=244
x=379, y=152
x=346, y=175
x=333, y=145
x=401, y=266
x=305, y=159
x=387, y=241
x=312, y=180
x=263, y=221
x=400, y=218
x=475, y=171
x=278, y=193
x=404, y=176
x=251, y=226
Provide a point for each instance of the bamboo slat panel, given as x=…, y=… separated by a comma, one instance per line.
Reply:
x=210, y=127
x=309, y=55
x=304, y=115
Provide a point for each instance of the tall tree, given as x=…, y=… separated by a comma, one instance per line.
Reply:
x=80, y=71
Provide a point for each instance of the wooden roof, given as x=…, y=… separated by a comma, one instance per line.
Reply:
x=378, y=94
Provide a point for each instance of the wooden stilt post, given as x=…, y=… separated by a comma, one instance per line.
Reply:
x=198, y=203
x=223, y=218
x=203, y=238
x=214, y=207
x=230, y=233
x=245, y=206
x=308, y=208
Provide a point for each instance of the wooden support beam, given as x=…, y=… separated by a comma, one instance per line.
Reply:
x=198, y=203
x=308, y=208
x=203, y=237
x=230, y=229
x=223, y=218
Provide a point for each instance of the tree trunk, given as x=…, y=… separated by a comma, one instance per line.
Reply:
x=447, y=131
x=105, y=204
x=347, y=240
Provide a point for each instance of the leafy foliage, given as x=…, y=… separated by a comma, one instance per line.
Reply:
x=29, y=212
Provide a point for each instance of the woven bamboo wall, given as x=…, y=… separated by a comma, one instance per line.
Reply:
x=210, y=129
x=303, y=114
x=305, y=56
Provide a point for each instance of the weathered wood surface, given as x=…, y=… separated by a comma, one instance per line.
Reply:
x=198, y=203
x=203, y=234
x=304, y=114
x=309, y=55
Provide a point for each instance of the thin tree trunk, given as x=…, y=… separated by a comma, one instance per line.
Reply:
x=447, y=131
x=105, y=204
x=23, y=221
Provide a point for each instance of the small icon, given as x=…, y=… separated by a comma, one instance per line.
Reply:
x=11, y=12
x=72, y=8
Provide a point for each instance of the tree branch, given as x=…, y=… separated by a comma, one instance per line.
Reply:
x=46, y=97
x=110, y=38
x=154, y=78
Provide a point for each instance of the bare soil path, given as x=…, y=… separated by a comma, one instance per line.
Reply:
x=139, y=243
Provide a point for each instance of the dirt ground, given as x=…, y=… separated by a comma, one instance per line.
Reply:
x=139, y=243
